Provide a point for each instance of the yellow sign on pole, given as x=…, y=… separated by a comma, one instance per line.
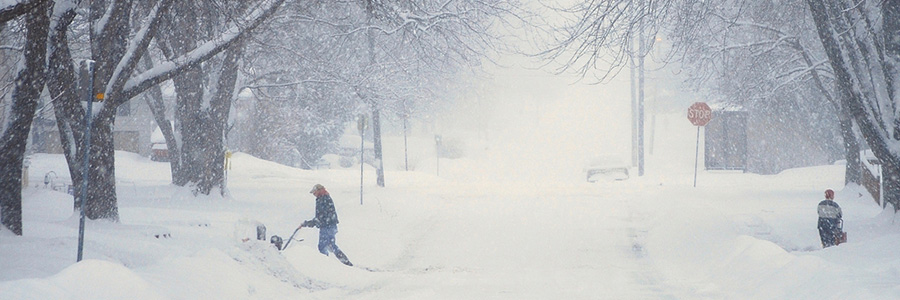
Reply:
x=101, y=96
x=227, y=160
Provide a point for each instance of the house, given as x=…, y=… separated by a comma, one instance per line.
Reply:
x=767, y=142
x=132, y=130
x=725, y=141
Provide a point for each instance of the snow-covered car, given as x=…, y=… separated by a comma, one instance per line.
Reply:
x=606, y=168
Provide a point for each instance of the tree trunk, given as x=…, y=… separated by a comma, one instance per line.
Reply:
x=890, y=187
x=189, y=92
x=853, y=170
x=376, y=111
x=203, y=130
x=101, y=196
x=29, y=84
x=891, y=173
x=376, y=136
x=158, y=109
x=10, y=12
x=189, y=119
x=890, y=11
x=108, y=47
x=220, y=106
x=66, y=86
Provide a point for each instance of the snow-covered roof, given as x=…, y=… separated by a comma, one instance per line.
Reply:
x=157, y=136
x=720, y=106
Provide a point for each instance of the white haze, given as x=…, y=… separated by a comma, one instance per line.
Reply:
x=555, y=123
x=512, y=218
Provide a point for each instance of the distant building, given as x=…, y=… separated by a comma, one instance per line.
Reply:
x=725, y=141
x=131, y=132
x=760, y=142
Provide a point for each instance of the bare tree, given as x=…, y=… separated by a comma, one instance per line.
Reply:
x=715, y=37
x=197, y=157
x=859, y=38
x=28, y=85
x=12, y=39
x=764, y=56
x=598, y=38
x=9, y=11
x=117, y=48
x=433, y=34
x=389, y=57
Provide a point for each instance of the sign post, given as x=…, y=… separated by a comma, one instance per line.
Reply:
x=699, y=114
x=437, y=148
x=88, y=66
x=361, y=125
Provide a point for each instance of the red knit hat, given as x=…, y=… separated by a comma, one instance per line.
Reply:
x=829, y=194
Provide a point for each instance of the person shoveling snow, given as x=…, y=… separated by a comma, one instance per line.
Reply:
x=830, y=222
x=326, y=220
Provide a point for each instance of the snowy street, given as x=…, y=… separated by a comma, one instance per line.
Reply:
x=437, y=149
x=735, y=235
x=529, y=245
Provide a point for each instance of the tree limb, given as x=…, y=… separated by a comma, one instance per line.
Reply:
x=136, y=49
x=21, y=7
x=170, y=69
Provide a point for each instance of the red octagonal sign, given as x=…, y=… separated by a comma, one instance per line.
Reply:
x=699, y=114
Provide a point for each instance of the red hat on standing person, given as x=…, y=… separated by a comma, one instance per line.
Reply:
x=829, y=194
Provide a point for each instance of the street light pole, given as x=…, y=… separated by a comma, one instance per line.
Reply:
x=640, y=99
x=87, y=65
x=405, y=143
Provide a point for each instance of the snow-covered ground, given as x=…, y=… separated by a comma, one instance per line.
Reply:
x=505, y=222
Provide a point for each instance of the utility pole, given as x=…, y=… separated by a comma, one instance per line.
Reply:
x=361, y=125
x=634, y=134
x=405, y=142
x=640, y=107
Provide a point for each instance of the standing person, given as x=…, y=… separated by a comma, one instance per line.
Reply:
x=326, y=220
x=829, y=219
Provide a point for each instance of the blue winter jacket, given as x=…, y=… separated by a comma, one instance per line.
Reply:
x=326, y=215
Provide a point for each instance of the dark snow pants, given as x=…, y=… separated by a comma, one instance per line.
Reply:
x=326, y=240
x=828, y=230
x=326, y=244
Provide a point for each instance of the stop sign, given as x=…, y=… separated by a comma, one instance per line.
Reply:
x=699, y=114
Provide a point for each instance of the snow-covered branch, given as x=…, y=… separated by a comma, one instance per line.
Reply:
x=288, y=84
x=137, y=46
x=10, y=9
x=169, y=69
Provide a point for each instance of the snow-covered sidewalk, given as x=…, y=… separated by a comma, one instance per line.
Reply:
x=457, y=236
